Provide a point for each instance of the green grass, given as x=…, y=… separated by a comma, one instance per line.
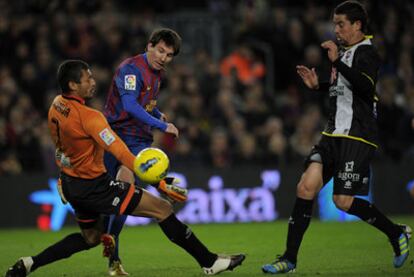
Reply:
x=330, y=249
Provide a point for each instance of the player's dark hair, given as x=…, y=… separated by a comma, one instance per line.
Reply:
x=170, y=37
x=70, y=70
x=354, y=11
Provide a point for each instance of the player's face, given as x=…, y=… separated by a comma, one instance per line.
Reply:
x=87, y=85
x=159, y=55
x=347, y=33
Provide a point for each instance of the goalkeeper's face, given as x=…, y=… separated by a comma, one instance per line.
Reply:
x=87, y=86
x=159, y=55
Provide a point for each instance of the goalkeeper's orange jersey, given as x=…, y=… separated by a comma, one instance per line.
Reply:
x=81, y=134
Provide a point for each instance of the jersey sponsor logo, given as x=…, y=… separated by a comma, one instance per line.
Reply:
x=130, y=82
x=151, y=105
x=345, y=176
x=336, y=91
x=107, y=136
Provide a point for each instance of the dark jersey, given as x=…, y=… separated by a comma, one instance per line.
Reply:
x=134, y=76
x=352, y=94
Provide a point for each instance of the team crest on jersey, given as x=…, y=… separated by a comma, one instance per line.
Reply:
x=107, y=136
x=130, y=82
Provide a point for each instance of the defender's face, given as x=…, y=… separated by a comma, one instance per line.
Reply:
x=87, y=85
x=345, y=31
x=159, y=55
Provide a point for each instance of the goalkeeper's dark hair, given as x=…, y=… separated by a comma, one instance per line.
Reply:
x=354, y=11
x=169, y=36
x=70, y=70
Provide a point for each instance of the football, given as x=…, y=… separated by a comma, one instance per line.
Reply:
x=151, y=165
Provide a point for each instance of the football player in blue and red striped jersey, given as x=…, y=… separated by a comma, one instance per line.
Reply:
x=131, y=110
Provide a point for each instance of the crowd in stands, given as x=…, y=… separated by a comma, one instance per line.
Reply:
x=225, y=114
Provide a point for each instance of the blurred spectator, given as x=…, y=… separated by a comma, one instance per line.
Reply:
x=388, y=114
x=219, y=155
x=406, y=127
x=9, y=164
x=305, y=135
x=255, y=108
x=247, y=152
x=220, y=103
x=244, y=64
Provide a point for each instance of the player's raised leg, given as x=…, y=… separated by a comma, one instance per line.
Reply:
x=397, y=234
x=180, y=234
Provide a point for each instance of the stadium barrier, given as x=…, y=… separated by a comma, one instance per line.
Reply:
x=237, y=194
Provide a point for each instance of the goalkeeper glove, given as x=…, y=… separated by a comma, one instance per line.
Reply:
x=168, y=187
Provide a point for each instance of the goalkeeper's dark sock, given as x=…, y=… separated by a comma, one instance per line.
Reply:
x=182, y=235
x=370, y=214
x=71, y=244
x=298, y=223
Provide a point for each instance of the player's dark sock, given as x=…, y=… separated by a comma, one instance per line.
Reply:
x=64, y=248
x=298, y=223
x=370, y=214
x=182, y=235
x=114, y=227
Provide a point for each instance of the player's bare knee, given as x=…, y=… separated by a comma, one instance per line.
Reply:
x=92, y=238
x=343, y=202
x=306, y=190
x=165, y=209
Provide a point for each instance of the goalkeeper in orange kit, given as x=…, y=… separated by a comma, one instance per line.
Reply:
x=81, y=135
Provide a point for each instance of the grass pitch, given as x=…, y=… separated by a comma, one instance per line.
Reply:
x=329, y=249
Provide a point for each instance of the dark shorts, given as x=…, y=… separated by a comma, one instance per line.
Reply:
x=102, y=195
x=347, y=161
x=112, y=164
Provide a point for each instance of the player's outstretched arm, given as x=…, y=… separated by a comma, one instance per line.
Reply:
x=309, y=76
x=97, y=127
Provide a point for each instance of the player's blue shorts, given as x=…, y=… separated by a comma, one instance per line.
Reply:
x=112, y=164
